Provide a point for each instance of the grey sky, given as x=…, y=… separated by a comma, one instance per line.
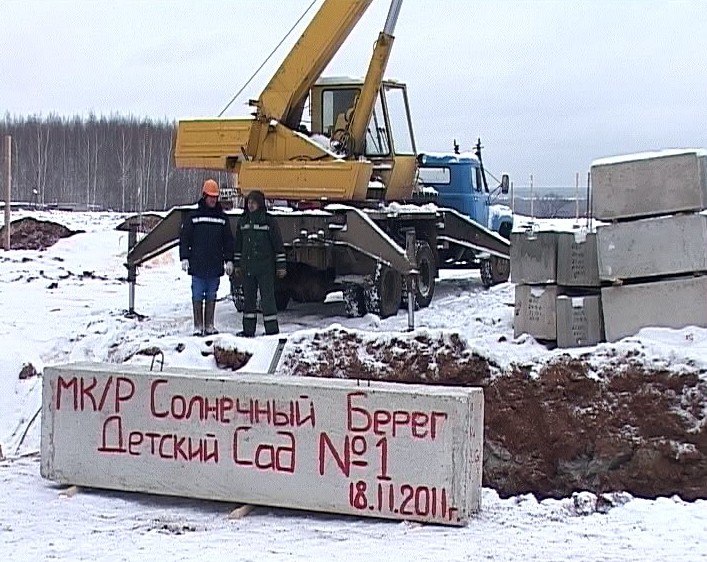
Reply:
x=549, y=85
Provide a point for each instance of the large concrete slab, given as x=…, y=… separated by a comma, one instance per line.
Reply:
x=653, y=247
x=534, y=257
x=535, y=311
x=579, y=322
x=577, y=263
x=649, y=184
x=674, y=303
x=381, y=450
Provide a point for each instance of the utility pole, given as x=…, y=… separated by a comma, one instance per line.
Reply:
x=8, y=184
x=576, y=198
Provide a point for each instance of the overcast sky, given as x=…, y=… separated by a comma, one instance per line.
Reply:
x=549, y=85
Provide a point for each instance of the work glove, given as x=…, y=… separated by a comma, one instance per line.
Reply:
x=281, y=273
x=185, y=265
x=229, y=268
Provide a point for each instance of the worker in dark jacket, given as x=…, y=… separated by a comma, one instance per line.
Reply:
x=205, y=245
x=259, y=256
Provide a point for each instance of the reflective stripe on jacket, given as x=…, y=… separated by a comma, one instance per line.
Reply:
x=206, y=240
x=259, y=247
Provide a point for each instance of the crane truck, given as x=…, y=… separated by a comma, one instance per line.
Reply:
x=356, y=188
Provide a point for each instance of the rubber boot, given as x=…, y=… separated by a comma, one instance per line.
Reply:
x=271, y=325
x=209, y=309
x=198, y=307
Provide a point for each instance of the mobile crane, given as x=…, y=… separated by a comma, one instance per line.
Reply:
x=359, y=166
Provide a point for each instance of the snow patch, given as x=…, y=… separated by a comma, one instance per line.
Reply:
x=648, y=155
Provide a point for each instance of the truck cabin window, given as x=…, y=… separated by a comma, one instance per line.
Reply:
x=335, y=106
x=398, y=116
x=479, y=180
x=435, y=176
x=377, y=140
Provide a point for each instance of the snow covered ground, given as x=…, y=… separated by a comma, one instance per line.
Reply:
x=67, y=303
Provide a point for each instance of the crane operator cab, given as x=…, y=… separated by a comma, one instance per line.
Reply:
x=389, y=139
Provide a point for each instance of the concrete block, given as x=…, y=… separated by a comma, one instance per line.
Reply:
x=394, y=451
x=579, y=321
x=674, y=303
x=653, y=247
x=534, y=257
x=577, y=263
x=649, y=184
x=535, y=311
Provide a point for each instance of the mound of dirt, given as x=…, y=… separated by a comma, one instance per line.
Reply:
x=28, y=371
x=144, y=223
x=339, y=353
x=230, y=358
x=31, y=234
x=627, y=426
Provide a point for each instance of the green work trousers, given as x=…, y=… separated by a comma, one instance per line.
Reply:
x=266, y=283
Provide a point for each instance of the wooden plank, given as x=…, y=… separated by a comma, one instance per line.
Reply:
x=70, y=492
x=241, y=512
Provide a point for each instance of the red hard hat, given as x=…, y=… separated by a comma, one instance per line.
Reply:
x=210, y=188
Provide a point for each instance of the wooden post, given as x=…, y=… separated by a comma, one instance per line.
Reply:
x=8, y=184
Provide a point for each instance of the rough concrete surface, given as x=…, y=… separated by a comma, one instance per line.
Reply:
x=670, y=303
x=380, y=450
x=636, y=186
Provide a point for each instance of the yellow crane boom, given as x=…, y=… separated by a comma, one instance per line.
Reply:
x=284, y=97
x=268, y=151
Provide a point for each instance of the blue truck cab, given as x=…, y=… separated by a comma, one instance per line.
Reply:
x=460, y=183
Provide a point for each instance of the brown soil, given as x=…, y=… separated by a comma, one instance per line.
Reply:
x=230, y=358
x=27, y=372
x=31, y=234
x=630, y=426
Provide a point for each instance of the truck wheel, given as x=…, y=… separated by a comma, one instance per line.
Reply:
x=495, y=270
x=382, y=294
x=425, y=287
x=427, y=267
x=354, y=303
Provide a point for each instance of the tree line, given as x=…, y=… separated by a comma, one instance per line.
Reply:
x=117, y=162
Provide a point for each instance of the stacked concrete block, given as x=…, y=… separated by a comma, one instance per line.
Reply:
x=649, y=256
x=649, y=184
x=557, y=286
x=653, y=247
x=577, y=264
x=579, y=321
x=534, y=257
x=534, y=271
x=670, y=303
x=536, y=311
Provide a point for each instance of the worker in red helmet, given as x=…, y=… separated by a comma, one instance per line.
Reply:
x=206, y=253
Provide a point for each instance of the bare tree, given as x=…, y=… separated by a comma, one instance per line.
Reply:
x=144, y=167
x=166, y=151
x=116, y=162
